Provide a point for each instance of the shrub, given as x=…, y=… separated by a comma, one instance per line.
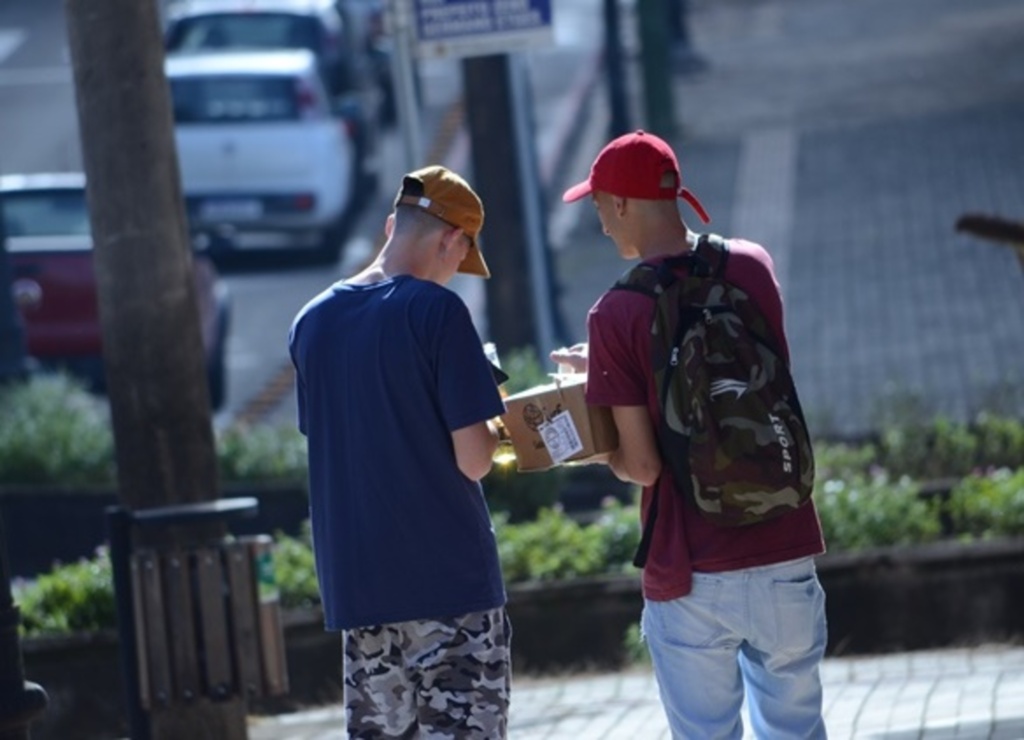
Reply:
x=636, y=649
x=549, y=548
x=554, y=545
x=524, y=370
x=262, y=453
x=839, y=460
x=989, y=505
x=875, y=511
x=620, y=534
x=1000, y=442
x=78, y=597
x=521, y=496
x=53, y=431
x=295, y=570
x=946, y=449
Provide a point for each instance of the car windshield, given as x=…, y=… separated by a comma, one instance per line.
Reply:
x=234, y=98
x=55, y=212
x=243, y=30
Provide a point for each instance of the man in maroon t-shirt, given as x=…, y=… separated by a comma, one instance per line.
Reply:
x=728, y=611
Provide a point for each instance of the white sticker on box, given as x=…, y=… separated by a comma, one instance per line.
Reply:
x=560, y=437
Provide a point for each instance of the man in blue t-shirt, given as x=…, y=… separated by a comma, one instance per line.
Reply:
x=395, y=397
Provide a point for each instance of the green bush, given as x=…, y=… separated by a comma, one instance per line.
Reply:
x=524, y=370
x=620, y=533
x=556, y=546
x=551, y=547
x=841, y=460
x=945, y=449
x=636, y=647
x=78, y=597
x=990, y=505
x=875, y=511
x=295, y=570
x=1000, y=442
x=53, y=431
x=262, y=453
x=521, y=496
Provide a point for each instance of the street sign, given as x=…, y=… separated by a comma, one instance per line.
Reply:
x=465, y=28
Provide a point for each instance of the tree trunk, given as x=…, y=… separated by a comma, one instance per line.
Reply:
x=152, y=342
x=152, y=345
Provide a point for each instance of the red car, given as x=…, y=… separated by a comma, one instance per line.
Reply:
x=49, y=243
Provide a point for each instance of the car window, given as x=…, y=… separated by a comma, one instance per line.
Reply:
x=45, y=213
x=234, y=98
x=244, y=30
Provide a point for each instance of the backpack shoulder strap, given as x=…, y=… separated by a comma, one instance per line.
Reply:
x=711, y=255
x=654, y=279
x=646, y=279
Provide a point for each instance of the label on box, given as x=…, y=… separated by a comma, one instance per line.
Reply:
x=560, y=437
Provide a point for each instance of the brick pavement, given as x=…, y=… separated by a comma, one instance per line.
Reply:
x=969, y=693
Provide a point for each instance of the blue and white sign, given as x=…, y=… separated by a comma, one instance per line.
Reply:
x=463, y=28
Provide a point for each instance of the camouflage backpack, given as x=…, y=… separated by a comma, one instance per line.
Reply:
x=732, y=431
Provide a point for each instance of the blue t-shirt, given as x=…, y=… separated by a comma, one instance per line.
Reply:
x=385, y=373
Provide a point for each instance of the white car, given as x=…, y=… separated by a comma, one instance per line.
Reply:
x=264, y=161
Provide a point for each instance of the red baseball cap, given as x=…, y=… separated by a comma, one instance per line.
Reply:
x=632, y=166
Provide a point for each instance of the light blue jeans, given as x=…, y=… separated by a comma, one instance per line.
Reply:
x=759, y=630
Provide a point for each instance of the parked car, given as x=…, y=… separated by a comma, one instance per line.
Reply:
x=346, y=36
x=264, y=160
x=49, y=242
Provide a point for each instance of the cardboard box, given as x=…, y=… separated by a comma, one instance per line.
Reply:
x=553, y=424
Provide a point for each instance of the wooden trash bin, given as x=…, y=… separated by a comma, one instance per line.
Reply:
x=208, y=623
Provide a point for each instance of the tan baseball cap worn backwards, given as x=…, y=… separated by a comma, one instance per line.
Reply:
x=442, y=193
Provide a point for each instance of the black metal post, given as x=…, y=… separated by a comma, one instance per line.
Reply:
x=659, y=110
x=614, y=73
x=119, y=522
x=684, y=56
x=12, y=338
x=20, y=701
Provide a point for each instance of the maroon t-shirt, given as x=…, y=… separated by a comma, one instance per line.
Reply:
x=620, y=374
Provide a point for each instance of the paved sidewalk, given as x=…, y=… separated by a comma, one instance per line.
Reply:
x=971, y=694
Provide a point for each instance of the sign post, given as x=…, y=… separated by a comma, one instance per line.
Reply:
x=405, y=88
x=482, y=33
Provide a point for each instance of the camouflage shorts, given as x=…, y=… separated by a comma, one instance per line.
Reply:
x=446, y=679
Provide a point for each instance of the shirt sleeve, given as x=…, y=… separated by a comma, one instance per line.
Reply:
x=618, y=365
x=467, y=390
x=300, y=383
x=751, y=268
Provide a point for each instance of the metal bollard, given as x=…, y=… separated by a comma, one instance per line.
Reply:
x=20, y=701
